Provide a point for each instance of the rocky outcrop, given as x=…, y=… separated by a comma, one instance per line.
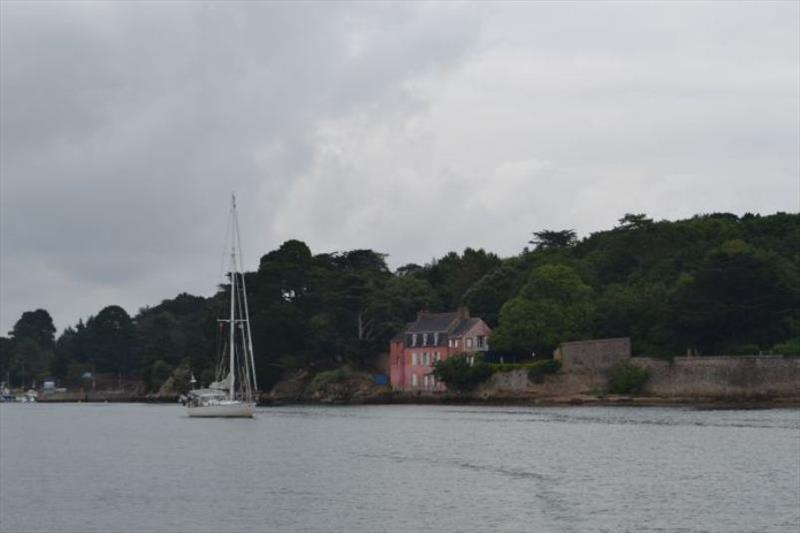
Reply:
x=338, y=386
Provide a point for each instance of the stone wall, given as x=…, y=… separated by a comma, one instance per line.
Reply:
x=516, y=383
x=594, y=356
x=722, y=376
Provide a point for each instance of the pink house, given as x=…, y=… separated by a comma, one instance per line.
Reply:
x=433, y=337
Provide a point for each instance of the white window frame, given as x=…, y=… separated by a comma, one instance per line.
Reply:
x=468, y=342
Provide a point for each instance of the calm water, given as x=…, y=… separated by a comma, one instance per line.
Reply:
x=107, y=467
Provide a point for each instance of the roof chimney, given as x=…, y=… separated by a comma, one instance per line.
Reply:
x=463, y=312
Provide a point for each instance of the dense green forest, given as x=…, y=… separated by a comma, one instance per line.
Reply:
x=712, y=284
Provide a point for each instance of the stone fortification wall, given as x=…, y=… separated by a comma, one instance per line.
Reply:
x=515, y=382
x=593, y=356
x=713, y=377
x=722, y=376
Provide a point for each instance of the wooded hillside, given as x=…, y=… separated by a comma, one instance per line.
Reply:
x=714, y=284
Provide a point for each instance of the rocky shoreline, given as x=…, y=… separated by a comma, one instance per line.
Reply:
x=344, y=386
x=394, y=398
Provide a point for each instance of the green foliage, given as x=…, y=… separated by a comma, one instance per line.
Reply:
x=791, y=347
x=715, y=283
x=627, y=378
x=332, y=377
x=159, y=373
x=554, y=306
x=738, y=296
x=487, y=295
x=36, y=326
x=459, y=375
x=548, y=239
x=538, y=370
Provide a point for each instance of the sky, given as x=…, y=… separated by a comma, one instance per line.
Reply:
x=412, y=129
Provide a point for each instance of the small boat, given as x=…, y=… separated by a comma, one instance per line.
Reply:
x=233, y=393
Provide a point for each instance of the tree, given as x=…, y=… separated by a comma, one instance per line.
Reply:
x=453, y=275
x=739, y=295
x=30, y=361
x=634, y=221
x=37, y=326
x=111, y=341
x=554, y=306
x=549, y=239
x=488, y=294
x=6, y=357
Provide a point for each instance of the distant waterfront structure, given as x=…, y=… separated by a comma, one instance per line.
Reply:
x=430, y=338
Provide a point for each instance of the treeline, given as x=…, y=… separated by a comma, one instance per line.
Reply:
x=711, y=284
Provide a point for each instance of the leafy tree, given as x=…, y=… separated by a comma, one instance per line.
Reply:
x=486, y=296
x=635, y=221
x=453, y=275
x=554, y=306
x=111, y=338
x=739, y=295
x=30, y=362
x=36, y=326
x=549, y=239
x=6, y=357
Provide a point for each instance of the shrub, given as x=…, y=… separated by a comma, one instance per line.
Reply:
x=539, y=369
x=627, y=378
x=330, y=377
x=159, y=373
x=459, y=375
x=790, y=347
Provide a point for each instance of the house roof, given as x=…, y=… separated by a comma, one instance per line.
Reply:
x=432, y=322
x=464, y=326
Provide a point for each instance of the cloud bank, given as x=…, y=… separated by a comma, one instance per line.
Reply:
x=412, y=129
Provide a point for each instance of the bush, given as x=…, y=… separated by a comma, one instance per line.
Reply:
x=509, y=367
x=790, y=347
x=159, y=373
x=331, y=377
x=627, y=378
x=459, y=375
x=540, y=369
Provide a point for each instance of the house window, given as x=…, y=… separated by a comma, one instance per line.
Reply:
x=469, y=342
x=436, y=339
x=414, y=339
x=414, y=358
x=437, y=357
x=414, y=380
x=480, y=341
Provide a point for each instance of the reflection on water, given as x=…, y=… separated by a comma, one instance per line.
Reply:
x=84, y=467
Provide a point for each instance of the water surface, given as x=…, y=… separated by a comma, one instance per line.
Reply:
x=131, y=467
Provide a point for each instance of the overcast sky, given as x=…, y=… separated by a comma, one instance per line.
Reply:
x=411, y=129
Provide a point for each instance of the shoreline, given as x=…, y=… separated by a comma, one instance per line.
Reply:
x=508, y=401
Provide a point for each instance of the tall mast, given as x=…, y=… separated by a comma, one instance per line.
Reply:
x=233, y=309
x=249, y=362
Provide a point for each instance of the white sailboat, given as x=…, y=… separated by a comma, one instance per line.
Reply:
x=233, y=394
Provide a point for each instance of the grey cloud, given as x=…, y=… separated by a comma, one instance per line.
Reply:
x=413, y=129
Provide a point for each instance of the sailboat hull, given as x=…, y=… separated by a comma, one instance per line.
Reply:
x=223, y=410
